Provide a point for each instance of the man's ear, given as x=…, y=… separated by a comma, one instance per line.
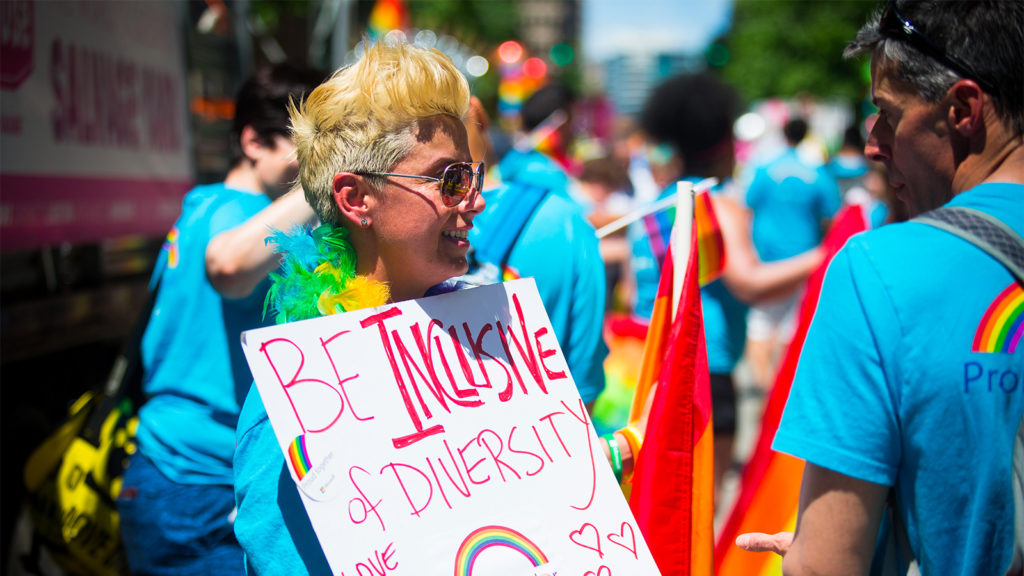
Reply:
x=252, y=146
x=351, y=195
x=966, y=105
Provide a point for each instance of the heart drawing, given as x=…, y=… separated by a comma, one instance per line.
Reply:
x=621, y=538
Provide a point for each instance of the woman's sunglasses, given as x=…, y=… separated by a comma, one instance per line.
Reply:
x=894, y=25
x=457, y=181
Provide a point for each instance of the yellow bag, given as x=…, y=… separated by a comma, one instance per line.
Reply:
x=73, y=479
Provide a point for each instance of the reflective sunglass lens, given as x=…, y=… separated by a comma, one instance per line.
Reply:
x=457, y=182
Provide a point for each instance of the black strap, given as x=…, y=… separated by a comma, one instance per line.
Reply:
x=125, y=377
x=899, y=534
x=983, y=230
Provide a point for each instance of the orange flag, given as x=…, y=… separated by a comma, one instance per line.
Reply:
x=709, y=239
x=770, y=487
x=672, y=495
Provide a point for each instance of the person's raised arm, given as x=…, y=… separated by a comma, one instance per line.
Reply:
x=836, y=528
x=237, y=260
x=746, y=277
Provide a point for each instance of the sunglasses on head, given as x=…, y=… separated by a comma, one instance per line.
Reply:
x=896, y=26
x=457, y=180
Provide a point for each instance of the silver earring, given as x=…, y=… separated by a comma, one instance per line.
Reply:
x=363, y=222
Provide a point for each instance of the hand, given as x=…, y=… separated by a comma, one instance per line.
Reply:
x=758, y=542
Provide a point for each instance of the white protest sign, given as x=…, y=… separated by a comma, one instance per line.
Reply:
x=444, y=436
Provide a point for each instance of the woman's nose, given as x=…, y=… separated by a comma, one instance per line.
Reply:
x=474, y=204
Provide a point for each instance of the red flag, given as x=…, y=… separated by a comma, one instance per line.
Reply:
x=770, y=488
x=672, y=494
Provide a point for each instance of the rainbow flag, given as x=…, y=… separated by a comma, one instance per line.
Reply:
x=388, y=15
x=672, y=495
x=770, y=487
x=624, y=336
x=709, y=239
x=709, y=236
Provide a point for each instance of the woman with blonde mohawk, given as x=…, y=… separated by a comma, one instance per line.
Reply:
x=384, y=161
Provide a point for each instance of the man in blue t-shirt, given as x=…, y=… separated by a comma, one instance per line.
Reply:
x=909, y=384
x=559, y=249
x=556, y=246
x=791, y=202
x=177, y=500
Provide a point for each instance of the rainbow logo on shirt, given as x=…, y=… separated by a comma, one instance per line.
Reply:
x=489, y=536
x=299, y=457
x=1003, y=323
x=171, y=247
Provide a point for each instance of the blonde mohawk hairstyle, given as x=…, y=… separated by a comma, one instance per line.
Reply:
x=363, y=118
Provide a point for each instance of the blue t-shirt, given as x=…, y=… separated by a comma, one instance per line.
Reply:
x=725, y=317
x=559, y=249
x=789, y=199
x=848, y=170
x=904, y=381
x=195, y=374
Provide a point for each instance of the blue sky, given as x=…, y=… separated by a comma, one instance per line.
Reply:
x=613, y=27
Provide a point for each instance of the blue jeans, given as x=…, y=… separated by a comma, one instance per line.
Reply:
x=171, y=528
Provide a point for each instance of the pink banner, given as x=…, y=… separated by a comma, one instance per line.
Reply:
x=37, y=211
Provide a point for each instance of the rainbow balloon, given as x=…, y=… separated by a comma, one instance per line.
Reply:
x=1002, y=325
x=488, y=536
x=299, y=457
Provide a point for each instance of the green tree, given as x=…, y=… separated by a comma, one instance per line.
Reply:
x=784, y=48
x=478, y=25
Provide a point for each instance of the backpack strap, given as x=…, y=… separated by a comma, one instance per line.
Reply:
x=490, y=250
x=983, y=230
x=992, y=236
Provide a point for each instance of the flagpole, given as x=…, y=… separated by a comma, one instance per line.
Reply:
x=680, y=240
x=651, y=208
x=547, y=127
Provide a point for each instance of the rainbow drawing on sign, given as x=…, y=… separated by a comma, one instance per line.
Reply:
x=1001, y=327
x=299, y=457
x=488, y=536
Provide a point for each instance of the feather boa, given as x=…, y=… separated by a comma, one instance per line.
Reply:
x=317, y=276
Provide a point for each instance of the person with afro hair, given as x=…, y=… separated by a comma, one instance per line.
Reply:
x=688, y=121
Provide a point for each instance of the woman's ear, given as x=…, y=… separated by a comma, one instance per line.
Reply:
x=351, y=195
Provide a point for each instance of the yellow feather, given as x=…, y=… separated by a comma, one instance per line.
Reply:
x=361, y=292
x=328, y=268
